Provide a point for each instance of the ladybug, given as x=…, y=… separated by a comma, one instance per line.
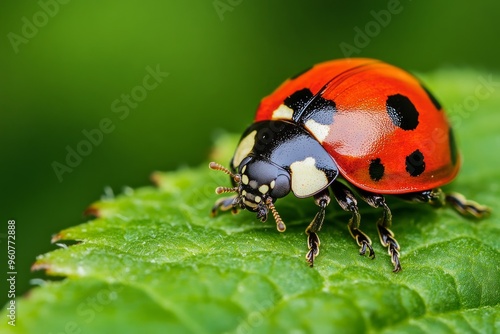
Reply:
x=352, y=128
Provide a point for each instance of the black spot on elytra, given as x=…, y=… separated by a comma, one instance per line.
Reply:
x=453, y=147
x=433, y=99
x=307, y=106
x=376, y=169
x=415, y=164
x=298, y=100
x=300, y=73
x=402, y=112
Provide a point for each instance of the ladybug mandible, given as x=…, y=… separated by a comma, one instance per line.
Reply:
x=362, y=121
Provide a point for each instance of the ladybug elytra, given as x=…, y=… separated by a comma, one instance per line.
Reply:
x=362, y=121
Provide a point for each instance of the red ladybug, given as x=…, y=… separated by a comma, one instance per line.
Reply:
x=362, y=121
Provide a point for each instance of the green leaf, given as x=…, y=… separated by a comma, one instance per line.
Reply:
x=155, y=261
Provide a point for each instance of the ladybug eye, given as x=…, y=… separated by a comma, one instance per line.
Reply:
x=280, y=187
x=243, y=165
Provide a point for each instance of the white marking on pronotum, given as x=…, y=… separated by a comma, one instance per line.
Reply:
x=307, y=179
x=283, y=112
x=244, y=148
x=264, y=188
x=320, y=131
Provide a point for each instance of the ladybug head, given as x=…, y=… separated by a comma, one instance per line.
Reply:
x=273, y=159
x=258, y=184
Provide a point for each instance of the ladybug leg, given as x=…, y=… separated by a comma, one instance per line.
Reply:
x=348, y=202
x=322, y=200
x=434, y=197
x=437, y=197
x=385, y=234
x=225, y=204
x=465, y=206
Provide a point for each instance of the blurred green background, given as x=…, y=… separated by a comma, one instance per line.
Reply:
x=65, y=68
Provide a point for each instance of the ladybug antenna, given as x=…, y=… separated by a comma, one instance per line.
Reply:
x=236, y=177
x=222, y=190
x=280, y=225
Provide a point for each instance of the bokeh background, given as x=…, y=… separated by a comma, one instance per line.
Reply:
x=63, y=66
